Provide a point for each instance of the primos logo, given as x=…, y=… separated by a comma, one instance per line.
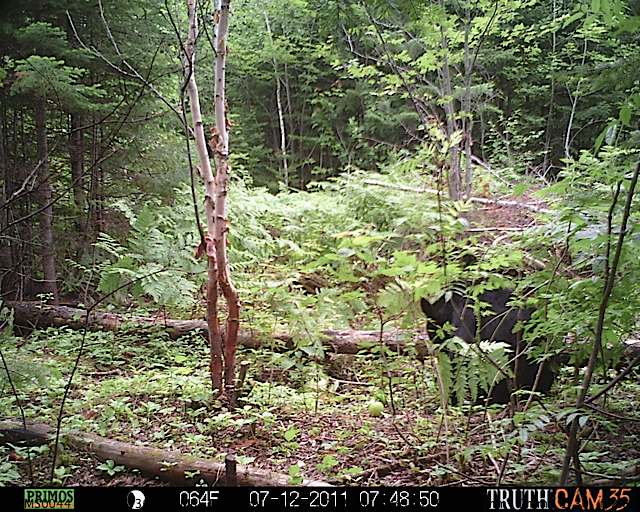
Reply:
x=48, y=498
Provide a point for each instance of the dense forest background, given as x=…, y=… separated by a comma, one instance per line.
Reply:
x=369, y=142
x=89, y=134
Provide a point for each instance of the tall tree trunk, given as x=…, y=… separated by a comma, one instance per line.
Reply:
x=215, y=333
x=76, y=157
x=574, y=105
x=13, y=287
x=454, y=177
x=76, y=160
x=94, y=187
x=46, y=215
x=7, y=274
x=216, y=190
x=223, y=170
x=467, y=120
x=283, y=136
x=547, y=138
x=291, y=143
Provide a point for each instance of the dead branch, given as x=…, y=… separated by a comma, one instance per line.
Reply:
x=479, y=200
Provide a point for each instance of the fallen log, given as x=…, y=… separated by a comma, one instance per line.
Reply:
x=480, y=200
x=34, y=315
x=169, y=466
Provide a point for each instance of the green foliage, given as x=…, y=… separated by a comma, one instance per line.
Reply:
x=473, y=370
x=157, y=260
x=370, y=123
x=8, y=473
x=327, y=464
x=589, y=189
x=47, y=77
x=331, y=121
x=63, y=473
x=41, y=38
x=110, y=467
x=44, y=73
x=290, y=228
x=295, y=474
x=529, y=423
x=25, y=371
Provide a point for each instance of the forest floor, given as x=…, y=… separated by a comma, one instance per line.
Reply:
x=310, y=419
x=328, y=432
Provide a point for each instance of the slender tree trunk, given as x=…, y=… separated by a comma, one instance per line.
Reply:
x=547, y=139
x=13, y=282
x=46, y=216
x=283, y=137
x=223, y=170
x=574, y=105
x=215, y=334
x=94, y=190
x=7, y=274
x=466, y=108
x=216, y=189
x=76, y=160
x=454, y=177
x=292, y=141
x=302, y=172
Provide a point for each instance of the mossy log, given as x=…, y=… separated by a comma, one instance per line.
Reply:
x=33, y=315
x=169, y=466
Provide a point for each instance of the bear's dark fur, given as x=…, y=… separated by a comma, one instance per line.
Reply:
x=498, y=325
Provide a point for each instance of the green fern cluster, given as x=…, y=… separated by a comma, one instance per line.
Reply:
x=472, y=370
x=156, y=261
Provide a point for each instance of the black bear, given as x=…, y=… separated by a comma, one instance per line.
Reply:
x=497, y=324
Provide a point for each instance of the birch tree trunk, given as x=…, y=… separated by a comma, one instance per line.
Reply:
x=223, y=169
x=216, y=189
x=283, y=138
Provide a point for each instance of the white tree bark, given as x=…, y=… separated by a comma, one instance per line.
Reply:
x=216, y=189
x=220, y=143
x=210, y=193
x=283, y=136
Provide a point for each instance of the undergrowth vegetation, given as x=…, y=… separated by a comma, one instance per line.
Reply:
x=354, y=253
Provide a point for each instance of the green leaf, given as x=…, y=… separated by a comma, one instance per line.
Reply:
x=394, y=271
x=361, y=240
x=294, y=470
x=345, y=252
x=519, y=189
x=625, y=114
x=328, y=460
x=572, y=18
x=291, y=434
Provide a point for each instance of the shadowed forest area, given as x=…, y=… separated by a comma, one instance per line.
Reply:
x=358, y=243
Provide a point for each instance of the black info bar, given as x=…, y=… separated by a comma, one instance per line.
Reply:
x=611, y=499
